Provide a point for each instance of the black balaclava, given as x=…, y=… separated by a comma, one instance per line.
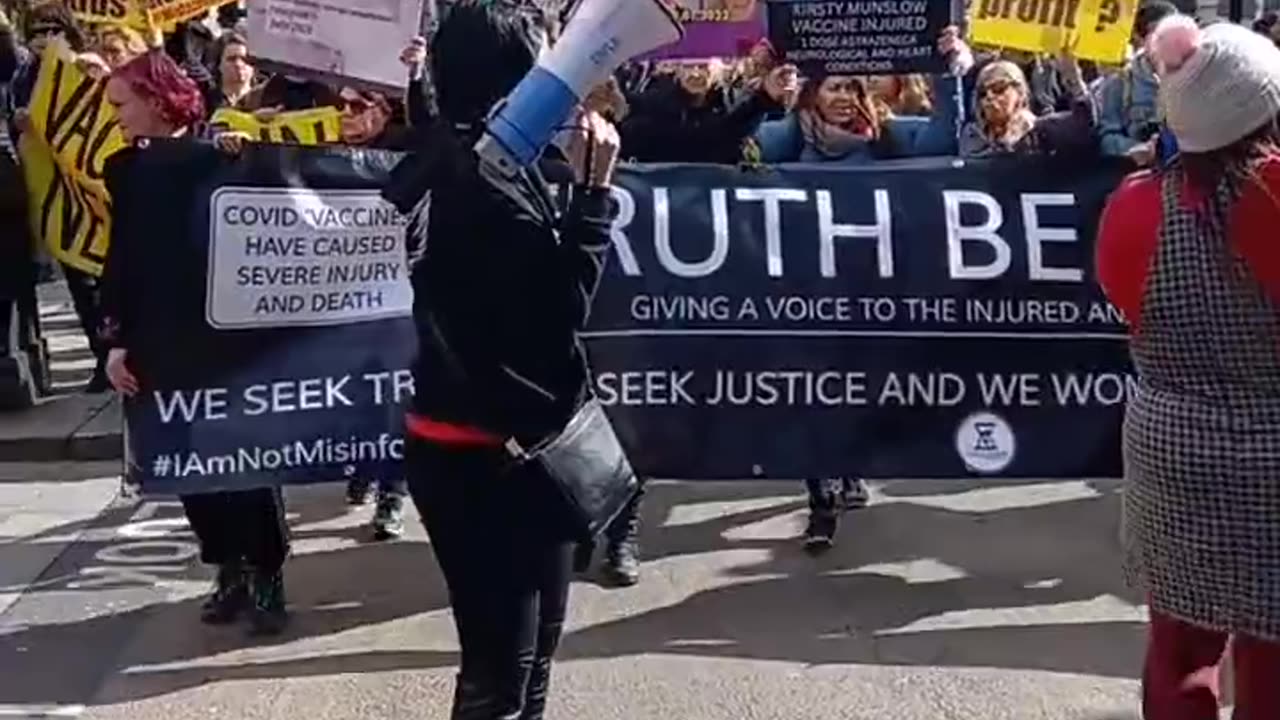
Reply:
x=502, y=37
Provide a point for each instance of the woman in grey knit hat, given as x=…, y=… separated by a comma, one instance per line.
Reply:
x=1190, y=257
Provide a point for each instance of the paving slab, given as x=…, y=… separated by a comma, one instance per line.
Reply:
x=44, y=510
x=76, y=427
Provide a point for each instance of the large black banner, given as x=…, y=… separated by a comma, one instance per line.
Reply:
x=925, y=319
x=270, y=298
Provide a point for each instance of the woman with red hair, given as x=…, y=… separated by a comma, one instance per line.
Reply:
x=242, y=533
x=1189, y=255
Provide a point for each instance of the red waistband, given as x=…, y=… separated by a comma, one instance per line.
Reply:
x=445, y=433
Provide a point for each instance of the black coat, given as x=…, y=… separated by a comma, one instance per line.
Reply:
x=664, y=125
x=501, y=288
x=16, y=246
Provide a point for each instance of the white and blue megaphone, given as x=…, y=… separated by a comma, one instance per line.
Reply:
x=600, y=36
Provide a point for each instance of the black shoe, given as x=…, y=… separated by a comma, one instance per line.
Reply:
x=230, y=596
x=388, y=519
x=622, y=563
x=820, y=536
x=269, y=616
x=854, y=494
x=359, y=492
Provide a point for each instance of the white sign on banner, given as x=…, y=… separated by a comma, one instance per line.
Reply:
x=359, y=39
x=286, y=257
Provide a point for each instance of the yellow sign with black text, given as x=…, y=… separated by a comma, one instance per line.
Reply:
x=1094, y=29
x=168, y=13
x=165, y=14
x=318, y=126
x=109, y=12
x=72, y=132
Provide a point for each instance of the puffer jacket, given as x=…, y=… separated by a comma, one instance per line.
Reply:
x=502, y=285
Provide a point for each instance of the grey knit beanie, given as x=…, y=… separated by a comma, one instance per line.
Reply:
x=1218, y=84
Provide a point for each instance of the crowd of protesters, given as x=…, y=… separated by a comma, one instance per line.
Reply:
x=988, y=103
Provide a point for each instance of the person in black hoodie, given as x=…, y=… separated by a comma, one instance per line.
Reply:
x=501, y=289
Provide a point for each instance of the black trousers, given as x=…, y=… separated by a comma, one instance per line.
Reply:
x=625, y=526
x=86, y=298
x=246, y=527
x=508, y=575
x=829, y=496
x=18, y=292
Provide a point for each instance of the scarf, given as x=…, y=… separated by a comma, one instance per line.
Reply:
x=1015, y=131
x=831, y=141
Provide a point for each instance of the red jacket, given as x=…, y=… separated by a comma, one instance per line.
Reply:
x=1130, y=231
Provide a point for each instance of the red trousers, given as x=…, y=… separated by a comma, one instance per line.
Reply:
x=1180, y=681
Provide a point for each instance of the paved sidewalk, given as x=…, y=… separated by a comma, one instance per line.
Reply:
x=67, y=425
x=44, y=509
x=75, y=427
x=942, y=601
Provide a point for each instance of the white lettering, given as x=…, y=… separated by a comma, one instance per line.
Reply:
x=1037, y=236
x=662, y=236
x=828, y=231
x=957, y=234
x=772, y=199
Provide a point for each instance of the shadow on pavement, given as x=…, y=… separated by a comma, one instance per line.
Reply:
x=842, y=609
x=946, y=601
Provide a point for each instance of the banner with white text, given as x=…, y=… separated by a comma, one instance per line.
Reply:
x=913, y=319
x=925, y=319
x=266, y=316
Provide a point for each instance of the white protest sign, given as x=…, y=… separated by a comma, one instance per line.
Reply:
x=359, y=39
x=286, y=257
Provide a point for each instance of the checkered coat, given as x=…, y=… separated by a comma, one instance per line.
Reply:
x=1202, y=433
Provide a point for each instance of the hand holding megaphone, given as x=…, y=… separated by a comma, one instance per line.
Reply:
x=592, y=149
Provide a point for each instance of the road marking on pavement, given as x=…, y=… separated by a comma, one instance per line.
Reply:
x=41, y=711
x=922, y=570
x=1007, y=497
x=146, y=550
x=1102, y=609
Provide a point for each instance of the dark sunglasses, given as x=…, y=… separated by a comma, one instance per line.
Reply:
x=997, y=87
x=355, y=105
x=42, y=30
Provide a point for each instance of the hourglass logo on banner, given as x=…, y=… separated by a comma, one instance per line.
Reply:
x=986, y=443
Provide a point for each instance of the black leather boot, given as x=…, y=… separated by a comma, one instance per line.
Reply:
x=472, y=702
x=230, y=596
x=269, y=616
x=535, y=695
x=622, y=553
x=388, y=518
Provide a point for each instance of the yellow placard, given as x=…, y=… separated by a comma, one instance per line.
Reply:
x=73, y=130
x=1094, y=29
x=318, y=126
x=168, y=13
x=113, y=12
x=165, y=14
